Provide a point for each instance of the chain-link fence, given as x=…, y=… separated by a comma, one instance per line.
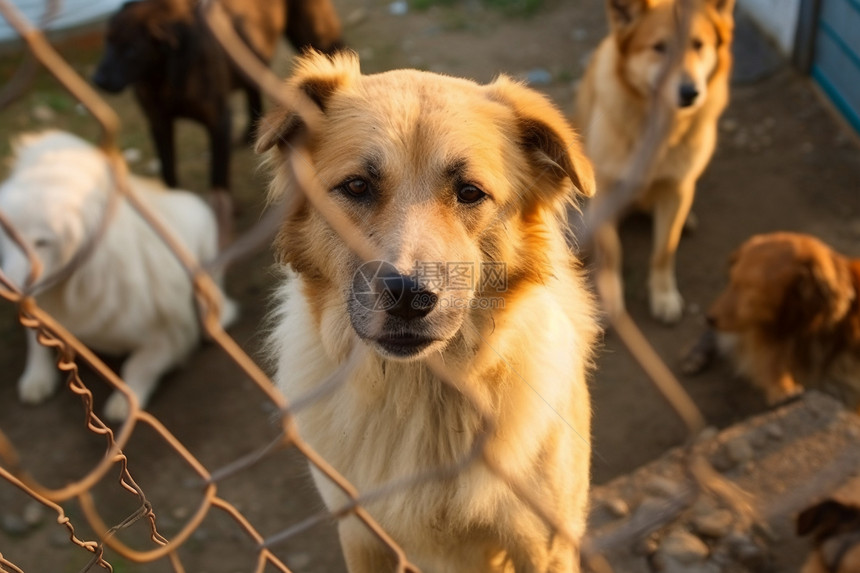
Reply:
x=50, y=333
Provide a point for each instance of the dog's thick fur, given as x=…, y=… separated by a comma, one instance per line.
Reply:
x=435, y=170
x=790, y=316
x=613, y=108
x=178, y=70
x=130, y=296
x=834, y=524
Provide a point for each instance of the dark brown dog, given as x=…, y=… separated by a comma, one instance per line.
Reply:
x=178, y=70
x=835, y=523
x=791, y=316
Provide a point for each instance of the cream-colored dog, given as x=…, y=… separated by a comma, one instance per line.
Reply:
x=613, y=108
x=461, y=189
x=130, y=295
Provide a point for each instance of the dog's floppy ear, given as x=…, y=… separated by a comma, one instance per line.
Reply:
x=724, y=7
x=622, y=13
x=317, y=76
x=543, y=133
x=821, y=294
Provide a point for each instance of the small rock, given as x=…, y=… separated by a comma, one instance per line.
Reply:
x=153, y=166
x=538, y=77
x=398, y=8
x=355, y=17
x=774, y=431
x=81, y=109
x=739, y=450
x=721, y=557
x=200, y=535
x=366, y=54
x=650, y=505
x=180, y=512
x=673, y=566
x=579, y=34
x=34, y=513
x=729, y=125
x=745, y=550
x=299, y=560
x=807, y=147
x=693, y=308
x=43, y=113
x=646, y=546
x=617, y=507
x=750, y=554
x=13, y=524
x=715, y=524
x=132, y=154
x=758, y=439
x=708, y=433
x=683, y=547
x=661, y=487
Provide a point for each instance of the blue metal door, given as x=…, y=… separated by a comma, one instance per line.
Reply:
x=836, y=59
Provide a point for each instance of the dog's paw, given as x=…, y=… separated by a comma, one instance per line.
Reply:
x=667, y=306
x=700, y=355
x=116, y=408
x=37, y=384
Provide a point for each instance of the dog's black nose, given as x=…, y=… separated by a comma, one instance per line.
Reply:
x=406, y=298
x=687, y=95
x=107, y=82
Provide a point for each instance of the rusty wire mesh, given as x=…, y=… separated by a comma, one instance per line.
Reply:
x=50, y=333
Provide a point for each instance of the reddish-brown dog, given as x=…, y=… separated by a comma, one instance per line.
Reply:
x=791, y=317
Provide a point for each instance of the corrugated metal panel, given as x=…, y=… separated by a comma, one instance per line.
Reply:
x=72, y=13
x=836, y=64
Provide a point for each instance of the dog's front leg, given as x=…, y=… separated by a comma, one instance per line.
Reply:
x=222, y=201
x=40, y=377
x=161, y=127
x=672, y=204
x=142, y=370
x=610, y=285
x=255, y=112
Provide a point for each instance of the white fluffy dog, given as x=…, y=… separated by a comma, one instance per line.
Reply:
x=130, y=296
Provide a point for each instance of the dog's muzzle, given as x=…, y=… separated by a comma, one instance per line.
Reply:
x=401, y=302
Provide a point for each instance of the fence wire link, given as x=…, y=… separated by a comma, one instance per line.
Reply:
x=702, y=477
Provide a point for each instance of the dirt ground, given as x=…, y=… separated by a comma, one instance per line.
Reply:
x=783, y=162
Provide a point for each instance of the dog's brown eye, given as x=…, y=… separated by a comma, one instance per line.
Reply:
x=469, y=194
x=659, y=47
x=697, y=44
x=356, y=187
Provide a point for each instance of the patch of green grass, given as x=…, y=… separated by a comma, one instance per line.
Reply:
x=517, y=8
x=58, y=100
x=422, y=5
x=564, y=76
